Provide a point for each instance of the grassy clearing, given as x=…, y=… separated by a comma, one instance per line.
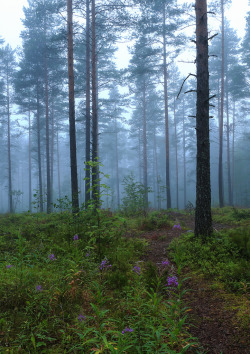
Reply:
x=223, y=259
x=77, y=285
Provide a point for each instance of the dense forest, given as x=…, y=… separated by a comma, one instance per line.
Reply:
x=124, y=180
x=132, y=121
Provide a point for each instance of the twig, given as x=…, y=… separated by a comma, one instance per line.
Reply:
x=210, y=98
x=184, y=83
x=216, y=34
x=190, y=91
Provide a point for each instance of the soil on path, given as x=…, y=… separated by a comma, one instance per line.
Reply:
x=215, y=326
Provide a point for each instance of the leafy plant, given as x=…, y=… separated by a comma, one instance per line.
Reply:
x=133, y=202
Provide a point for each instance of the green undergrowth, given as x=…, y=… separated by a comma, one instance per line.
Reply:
x=223, y=260
x=224, y=256
x=76, y=284
x=152, y=221
x=231, y=216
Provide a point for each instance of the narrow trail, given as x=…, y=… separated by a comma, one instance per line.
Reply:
x=215, y=326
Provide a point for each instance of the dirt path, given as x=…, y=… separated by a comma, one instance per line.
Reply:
x=213, y=325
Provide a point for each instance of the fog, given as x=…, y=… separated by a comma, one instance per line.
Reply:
x=133, y=105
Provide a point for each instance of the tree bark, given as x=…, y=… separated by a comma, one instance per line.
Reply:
x=47, y=129
x=30, y=182
x=95, y=168
x=72, y=130
x=228, y=146
x=233, y=138
x=166, y=110
x=52, y=154
x=221, y=189
x=58, y=164
x=156, y=174
x=9, y=144
x=184, y=158
x=39, y=150
x=117, y=165
x=203, y=218
x=176, y=159
x=144, y=145
x=87, y=153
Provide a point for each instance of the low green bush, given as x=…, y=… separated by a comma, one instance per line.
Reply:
x=222, y=256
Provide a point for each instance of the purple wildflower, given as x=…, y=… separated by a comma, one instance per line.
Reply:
x=76, y=237
x=81, y=318
x=177, y=227
x=87, y=254
x=127, y=329
x=52, y=257
x=137, y=270
x=105, y=264
x=39, y=288
x=165, y=263
x=172, y=281
x=9, y=266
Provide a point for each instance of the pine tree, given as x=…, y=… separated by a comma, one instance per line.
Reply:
x=7, y=70
x=203, y=218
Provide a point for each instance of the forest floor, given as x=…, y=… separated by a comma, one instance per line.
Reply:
x=213, y=314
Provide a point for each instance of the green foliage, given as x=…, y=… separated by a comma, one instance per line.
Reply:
x=231, y=215
x=57, y=296
x=223, y=256
x=240, y=214
x=133, y=202
x=241, y=238
x=99, y=189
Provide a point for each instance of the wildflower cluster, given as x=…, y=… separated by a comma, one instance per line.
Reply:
x=165, y=263
x=105, y=264
x=76, y=237
x=172, y=281
x=39, y=288
x=137, y=270
x=52, y=257
x=9, y=266
x=177, y=227
x=81, y=318
x=127, y=329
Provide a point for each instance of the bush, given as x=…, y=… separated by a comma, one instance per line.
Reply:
x=219, y=257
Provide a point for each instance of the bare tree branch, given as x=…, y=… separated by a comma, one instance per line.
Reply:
x=184, y=83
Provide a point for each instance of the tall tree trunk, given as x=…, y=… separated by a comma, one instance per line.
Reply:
x=144, y=146
x=95, y=169
x=221, y=189
x=166, y=109
x=117, y=165
x=139, y=155
x=233, y=138
x=39, y=150
x=203, y=218
x=30, y=182
x=156, y=172
x=47, y=129
x=228, y=146
x=87, y=153
x=58, y=164
x=72, y=129
x=176, y=159
x=52, y=153
x=9, y=145
x=184, y=157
